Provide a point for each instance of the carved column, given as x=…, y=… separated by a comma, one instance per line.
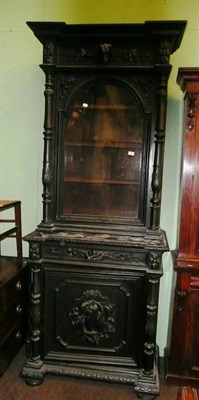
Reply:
x=152, y=306
x=35, y=313
x=151, y=314
x=47, y=158
x=33, y=373
x=47, y=174
x=159, y=152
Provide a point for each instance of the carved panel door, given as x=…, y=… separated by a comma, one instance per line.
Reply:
x=94, y=313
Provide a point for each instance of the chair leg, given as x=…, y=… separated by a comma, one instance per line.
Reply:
x=18, y=231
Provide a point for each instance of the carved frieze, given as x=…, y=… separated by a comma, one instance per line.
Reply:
x=117, y=56
x=67, y=252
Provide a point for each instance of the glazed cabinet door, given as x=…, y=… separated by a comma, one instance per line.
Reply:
x=104, y=130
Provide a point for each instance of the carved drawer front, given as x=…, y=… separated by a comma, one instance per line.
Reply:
x=67, y=251
x=94, y=313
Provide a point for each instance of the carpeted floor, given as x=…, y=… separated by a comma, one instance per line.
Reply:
x=12, y=387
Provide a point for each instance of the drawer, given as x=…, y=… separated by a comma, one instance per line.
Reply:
x=96, y=254
x=17, y=315
x=12, y=293
x=10, y=346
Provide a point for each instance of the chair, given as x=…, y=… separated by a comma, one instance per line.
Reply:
x=16, y=230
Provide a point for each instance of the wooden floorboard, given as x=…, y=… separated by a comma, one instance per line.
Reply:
x=12, y=387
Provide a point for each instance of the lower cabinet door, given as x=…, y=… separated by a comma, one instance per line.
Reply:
x=93, y=316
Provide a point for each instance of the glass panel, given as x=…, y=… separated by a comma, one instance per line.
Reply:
x=103, y=153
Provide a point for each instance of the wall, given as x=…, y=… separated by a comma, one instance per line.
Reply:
x=21, y=105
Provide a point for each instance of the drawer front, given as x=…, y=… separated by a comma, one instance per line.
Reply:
x=17, y=315
x=10, y=346
x=13, y=293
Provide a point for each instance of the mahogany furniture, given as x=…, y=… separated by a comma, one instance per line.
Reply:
x=13, y=290
x=13, y=308
x=188, y=393
x=95, y=258
x=183, y=346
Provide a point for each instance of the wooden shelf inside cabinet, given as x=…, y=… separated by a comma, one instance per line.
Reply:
x=111, y=145
x=104, y=107
x=101, y=181
x=16, y=230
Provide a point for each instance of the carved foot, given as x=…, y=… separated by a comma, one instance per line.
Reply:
x=33, y=381
x=32, y=373
x=147, y=387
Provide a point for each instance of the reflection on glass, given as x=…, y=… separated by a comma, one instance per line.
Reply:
x=103, y=153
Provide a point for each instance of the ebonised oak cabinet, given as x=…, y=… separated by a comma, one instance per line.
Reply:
x=95, y=258
x=183, y=344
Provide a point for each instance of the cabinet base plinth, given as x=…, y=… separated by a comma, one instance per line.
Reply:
x=143, y=388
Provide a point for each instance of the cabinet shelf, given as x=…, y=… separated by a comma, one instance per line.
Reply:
x=115, y=107
x=101, y=181
x=122, y=145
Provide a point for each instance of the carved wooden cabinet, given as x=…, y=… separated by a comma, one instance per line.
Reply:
x=183, y=346
x=95, y=258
